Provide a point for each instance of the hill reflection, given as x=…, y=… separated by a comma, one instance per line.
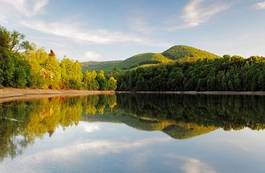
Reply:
x=181, y=117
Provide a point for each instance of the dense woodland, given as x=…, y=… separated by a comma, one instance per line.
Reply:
x=22, y=64
x=219, y=74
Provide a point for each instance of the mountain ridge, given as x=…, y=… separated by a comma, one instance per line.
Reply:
x=171, y=55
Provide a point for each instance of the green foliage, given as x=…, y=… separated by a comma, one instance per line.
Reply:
x=52, y=72
x=14, y=70
x=37, y=59
x=221, y=74
x=71, y=74
x=12, y=41
x=22, y=73
x=23, y=65
x=90, y=81
x=112, y=83
x=102, y=81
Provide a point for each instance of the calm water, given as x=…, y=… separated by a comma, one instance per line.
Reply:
x=133, y=133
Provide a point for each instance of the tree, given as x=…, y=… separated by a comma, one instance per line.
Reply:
x=12, y=41
x=14, y=69
x=90, y=81
x=112, y=83
x=36, y=59
x=71, y=74
x=52, y=72
x=103, y=85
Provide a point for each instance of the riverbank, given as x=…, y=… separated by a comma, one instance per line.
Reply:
x=9, y=94
x=249, y=93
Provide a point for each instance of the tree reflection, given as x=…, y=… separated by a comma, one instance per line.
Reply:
x=23, y=121
x=181, y=117
x=227, y=112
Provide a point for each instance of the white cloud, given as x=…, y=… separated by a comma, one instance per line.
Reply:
x=191, y=165
x=76, y=32
x=140, y=25
x=197, y=12
x=260, y=5
x=69, y=153
x=28, y=8
x=92, y=56
x=3, y=20
x=73, y=31
x=90, y=128
x=196, y=166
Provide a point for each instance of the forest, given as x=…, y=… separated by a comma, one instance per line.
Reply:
x=23, y=65
x=180, y=68
x=227, y=73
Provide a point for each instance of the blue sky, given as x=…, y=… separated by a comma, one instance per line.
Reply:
x=117, y=29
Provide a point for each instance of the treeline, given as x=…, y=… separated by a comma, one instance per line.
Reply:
x=221, y=74
x=24, y=65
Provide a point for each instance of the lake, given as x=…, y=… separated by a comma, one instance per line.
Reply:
x=133, y=133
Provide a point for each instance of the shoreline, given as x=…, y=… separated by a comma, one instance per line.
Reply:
x=228, y=93
x=11, y=94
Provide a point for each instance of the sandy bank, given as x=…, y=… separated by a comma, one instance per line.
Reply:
x=9, y=94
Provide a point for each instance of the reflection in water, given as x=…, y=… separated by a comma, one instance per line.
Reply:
x=23, y=121
x=228, y=112
x=180, y=117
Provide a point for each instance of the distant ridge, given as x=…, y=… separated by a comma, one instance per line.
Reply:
x=143, y=59
x=183, y=52
x=173, y=54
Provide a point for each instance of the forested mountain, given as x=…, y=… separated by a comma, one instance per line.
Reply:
x=173, y=54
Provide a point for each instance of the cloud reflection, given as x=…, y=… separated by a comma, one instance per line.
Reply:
x=71, y=153
x=191, y=165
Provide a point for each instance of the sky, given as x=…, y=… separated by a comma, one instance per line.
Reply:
x=102, y=30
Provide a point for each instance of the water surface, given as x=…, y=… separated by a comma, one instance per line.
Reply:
x=133, y=133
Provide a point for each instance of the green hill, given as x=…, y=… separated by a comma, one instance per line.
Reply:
x=143, y=59
x=175, y=53
x=103, y=65
x=187, y=130
x=187, y=52
x=177, y=130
